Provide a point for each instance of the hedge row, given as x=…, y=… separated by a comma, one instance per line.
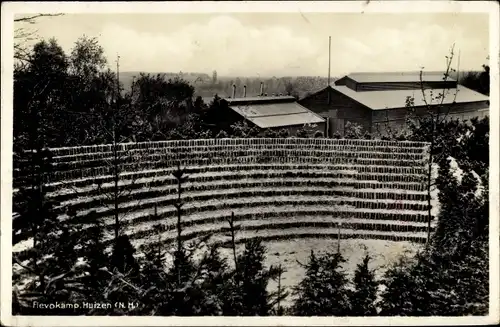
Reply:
x=149, y=193
x=134, y=166
x=248, y=213
x=165, y=172
x=227, y=142
x=239, y=203
x=281, y=212
x=190, y=187
x=165, y=188
x=232, y=148
x=169, y=232
x=314, y=174
x=259, y=154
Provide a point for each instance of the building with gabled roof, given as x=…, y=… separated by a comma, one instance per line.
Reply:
x=378, y=101
x=270, y=112
x=274, y=112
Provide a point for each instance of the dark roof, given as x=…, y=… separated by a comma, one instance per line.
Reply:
x=266, y=112
x=390, y=99
x=396, y=77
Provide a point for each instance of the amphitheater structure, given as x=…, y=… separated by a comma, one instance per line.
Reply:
x=276, y=189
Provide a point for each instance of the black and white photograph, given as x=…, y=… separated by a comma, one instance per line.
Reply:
x=246, y=163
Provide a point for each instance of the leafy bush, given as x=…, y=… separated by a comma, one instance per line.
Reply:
x=243, y=129
x=353, y=131
x=319, y=134
x=283, y=133
x=269, y=133
x=302, y=133
x=222, y=135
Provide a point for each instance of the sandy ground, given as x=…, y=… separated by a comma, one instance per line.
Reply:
x=287, y=253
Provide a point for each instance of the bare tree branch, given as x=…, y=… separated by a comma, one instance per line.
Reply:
x=31, y=19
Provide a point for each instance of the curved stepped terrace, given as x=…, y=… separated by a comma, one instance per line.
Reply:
x=277, y=188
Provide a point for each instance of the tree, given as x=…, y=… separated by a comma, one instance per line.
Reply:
x=22, y=35
x=438, y=283
x=94, y=253
x=222, y=134
x=251, y=279
x=462, y=216
x=280, y=294
x=302, y=133
x=397, y=298
x=87, y=59
x=477, y=81
x=37, y=100
x=217, y=287
x=318, y=135
x=434, y=282
x=484, y=79
x=323, y=291
x=92, y=90
x=122, y=257
x=270, y=133
x=243, y=129
x=353, y=131
x=36, y=215
x=53, y=256
x=214, y=77
x=473, y=150
x=365, y=290
x=427, y=122
x=39, y=96
x=290, y=89
x=283, y=133
x=192, y=128
x=161, y=104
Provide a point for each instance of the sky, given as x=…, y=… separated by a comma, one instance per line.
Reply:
x=278, y=44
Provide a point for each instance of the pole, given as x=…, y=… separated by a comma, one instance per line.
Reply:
x=117, y=75
x=338, y=239
x=329, y=57
x=279, y=291
x=115, y=152
x=329, y=69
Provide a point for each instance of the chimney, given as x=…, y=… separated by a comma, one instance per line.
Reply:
x=244, y=91
x=234, y=91
x=261, y=89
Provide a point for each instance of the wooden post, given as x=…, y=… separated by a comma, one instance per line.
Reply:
x=338, y=240
x=329, y=63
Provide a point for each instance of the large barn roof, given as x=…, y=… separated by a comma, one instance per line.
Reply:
x=268, y=112
x=396, y=77
x=390, y=99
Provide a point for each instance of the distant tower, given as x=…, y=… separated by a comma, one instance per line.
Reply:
x=214, y=77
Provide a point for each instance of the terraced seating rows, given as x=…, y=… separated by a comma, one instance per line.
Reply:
x=277, y=188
